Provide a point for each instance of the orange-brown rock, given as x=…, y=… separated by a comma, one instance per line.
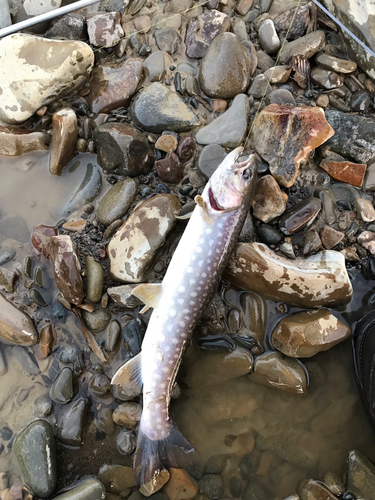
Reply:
x=46, y=340
x=284, y=136
x=345, y=171
x=16, y=142
x=181, y=486
x=65, y=133
x=75, y=226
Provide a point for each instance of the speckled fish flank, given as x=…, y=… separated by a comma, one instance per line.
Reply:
x=188, y=285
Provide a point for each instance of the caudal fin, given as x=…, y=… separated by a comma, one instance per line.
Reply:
x=152, y=456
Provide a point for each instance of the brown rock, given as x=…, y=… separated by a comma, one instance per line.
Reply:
x=169, y=169
x=306, y=46
x=65, y=133
x=66, y=268
x=303, y=335
x=16, y=142
x=367, y=240
x=300, y=215
x=322, y=101
x=350, y=254
x=202, y=30
x=160, y=478
x=46, y=340
x=243, y=7
x=284, y=136
x=312, y=242
x=127, y=415
x=16, y=327
x=166, y=143
x=41, y=237
x=219, y=105
x=315, y=490
x=181, y=486
x=345, y=171
x=75, y=226
x=112, y=85
x=331, y=237
x=269, y=201
x=186, y=148
x=104, y=28
x=142, y=24
x=116, y=478
x=365, y=209
x=8, y=279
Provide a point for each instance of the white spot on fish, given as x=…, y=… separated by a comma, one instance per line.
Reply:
x=200, y=262
x=180, y=301
x=161, y=337
x=204, y=275
x=209, y=230
x=165, y=369
x=193, y=294
x=192, y=302
x=172, y=312
x=175, y=341
x=181, y=288
x=169, y=328
x=198, y=249
x=189, y=269
x=182, y=323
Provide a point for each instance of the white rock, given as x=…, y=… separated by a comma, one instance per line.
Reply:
x=35, y=8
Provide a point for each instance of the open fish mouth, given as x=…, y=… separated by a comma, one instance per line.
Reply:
x=213, y=202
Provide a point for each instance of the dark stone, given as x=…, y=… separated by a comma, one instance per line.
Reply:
x=116, y=202
x=89, y=188
x=360, y=101
x=186, y=148
x=133, y=333
x=70, y=426
x=202, y=30
x=268, y=234
x=91, y=489
x=210, y=158
x=284, y=25
x=5, y=433
x=126, y=442
x=300, y=215
x=212, y=486
x=96, y=321
x=280, y=96
x=169, y=169
x=216, y=343
x=62, y=389
x=69, y=27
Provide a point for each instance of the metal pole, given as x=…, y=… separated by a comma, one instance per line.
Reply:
x=45, y=17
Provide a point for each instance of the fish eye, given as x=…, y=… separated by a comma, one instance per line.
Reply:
x=247, y=174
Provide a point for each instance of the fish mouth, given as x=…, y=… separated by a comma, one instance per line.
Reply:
x=214, y=204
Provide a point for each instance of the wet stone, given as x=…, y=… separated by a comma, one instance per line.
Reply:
x=16, y=142
x=268, y=37
x=43, y=406
x=268, y=234
x=16, y=327
x=123, y=297
x=127, y=415
x=269, y=201
x=116, y=478
x=326, y=79
x=202, y=30
x=361, y=475
x=365, y=209
x=345, y=192
x=34, y=451
x=315, y=490
x=345, y=171
x=8, y=279
x=104, y=29
x=133, y=333
x=168, y=40
x=211, y=485
x=306, y=46
x=155, y=66
x=105, y=422
x=14, y=227
x=62, y=389
x=91, y=489
x=169, y=169
x=331, y=237
x=300, y=215
x=186, y=148
x=126, y=442
x=217, y=131
x=27, y=362
x=96, y=321
x=99, y=385
x=70, y=426
x=37, y=297
x=280, y=96
x=65, y=133
x=46, y=340
x=116, y=201
x=360, y=101
x=181, y=486
x=88, y=190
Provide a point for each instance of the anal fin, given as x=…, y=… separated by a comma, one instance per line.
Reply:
x=129, y=376
x=149, y=294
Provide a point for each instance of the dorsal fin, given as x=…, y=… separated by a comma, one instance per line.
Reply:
x=129, y=376
x=200, y=201
x=149, y=294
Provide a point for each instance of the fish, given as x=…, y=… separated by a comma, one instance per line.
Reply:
x=178, y=303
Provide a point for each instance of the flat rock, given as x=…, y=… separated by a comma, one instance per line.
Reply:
x=70, y=425
x=169, y=169
x=303, y=335
x=157, y=108
x=113, y=84
x=133, y=246
x=65, y=133
x=203, y=30
x=104, y=28
x=16, y=327
x=97, y=320
x=62, y=389
x=95, y=276
x=268, y=37
x=225, y=69
x=36, y=71
x=123, y=297
x=269, y=201
x=91, y=489
x=292, y=24
x=34, y=451
x=16, y=142
x=345, y=171
x=210, y=158
x=369, y=184
x=116, y=478
x=168, y=40
x=155, y=66
x=320, y=280
x=331, y=237
x=123, y=149
x=181, y=486
x=116, y=202
x=284, y=136
x=218, y=132
x=326, y=79
x=300, y=215
x=365, y=209
x=306, y=46
x=335, y=63
x=89, y=188
x=8, y=279
x=361, y=475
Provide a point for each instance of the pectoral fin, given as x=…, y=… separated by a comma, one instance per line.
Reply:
x=200, y=201
x=184, y=217
x=129, y=376
x=149, y=294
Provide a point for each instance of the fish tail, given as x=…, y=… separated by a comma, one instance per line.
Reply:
x=155, y=455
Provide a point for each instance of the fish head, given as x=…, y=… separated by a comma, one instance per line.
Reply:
x=232, y=183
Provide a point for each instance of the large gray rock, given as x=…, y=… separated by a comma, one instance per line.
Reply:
x=91, y=489
x=35, y=71
x=156, y=108
x=229, y=129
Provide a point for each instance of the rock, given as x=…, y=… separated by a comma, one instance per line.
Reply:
x=186, y=148
x=225, y=68
x=65, y=133
x=315, y=490
x=335, y=63
x=168, y=40
x=26, y=361
x=211, y=485
x=326, y=79
x=287, y=249
x=291, y=23
x=181, y=486
x=34, y=451
x=280, y=96
x=361, y=475
x=46, y=340
x=142, y=24
x=243, y=7
x=169, y=112
x=269, y=201
x=254, y=310
x=15, y=228
x=318, y=281
x=97, y=320
x=72, y=26
x=113, y=84
x=166, y=143
x=345, y=171
x=41, y=70
x=70, y=426
x=268, y=37
x=41, y=237
x=104, y=29
x=264, y=61
x=94, y=272
x=62, y=389
x=345, y=192
x=365, y=209
x=16, y=327
x=8, y=279
x=360, y=101
x=123, y=149
x=306, y=46
x=354, y=137
x=116, y=478
x=284, y=137
x=91, y=489
x=155, y=66
x=268, y=234
x=369, y=184
x=116, y=201
x=169, y=169
x=202, y=30
x=123, y=297
x=260, y=87
x=278, y=74
x=126, y=442
x=210, y=158
x=300, y=215
x=133, y=246
x=127, y=415
x=330, y=237
x=66, y=268
x=218, y=132
x=334, y=483
x=99, y=385
x=322, y=101
x=303, y=335
x=275, y=370
x=7, y=254
x=160, y=478
x=105, y=422
x=367, y=240
x=16, y=142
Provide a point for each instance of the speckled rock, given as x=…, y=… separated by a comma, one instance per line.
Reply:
x=202, y=30
x=284, y=25
x=104, y=28
x=133, y=246
x=269, y=201
x=34, y=451
x=360, y=101
x=284, y=136
x=91, y=489
x=8, y=279
x=335, y=63
x=127, y=415
x=320, y=280
x=113, y=84
x=16, y=141
x=65, y=133
x=225, y=68
x=326, y=79
x=116, y=201
x=169, y=112
x=218, y=132
x=303, y=335
x=123, y=149
x=16, y=327
x=168, y=40
x=307, y=46
x=41, y=70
